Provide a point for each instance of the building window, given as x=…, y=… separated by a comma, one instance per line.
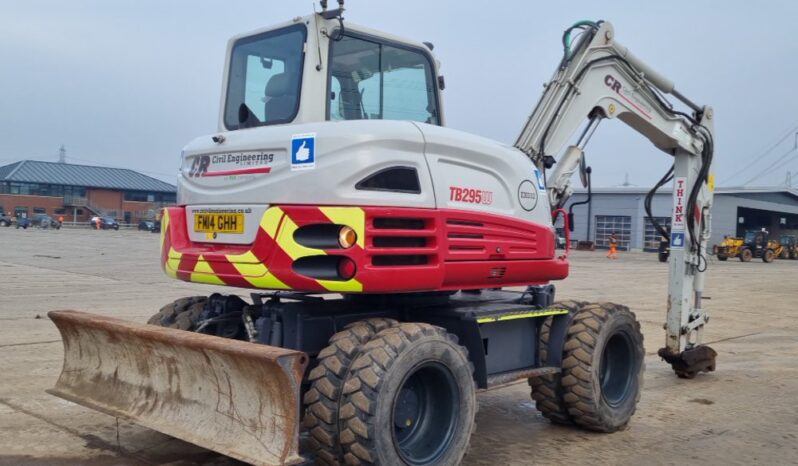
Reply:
x=74, y=191
x=79, y=212
x=606, y=225
x=60, y=211
x=651, y=236
x=21, y=212
x=39, y=210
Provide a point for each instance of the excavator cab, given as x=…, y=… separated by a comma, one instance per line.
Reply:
x=274, y=76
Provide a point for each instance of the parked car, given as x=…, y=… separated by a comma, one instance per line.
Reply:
x=23, y=222
x=44, y=221
x=106, y=223
x=156, y=226
x=5, y=220
x=146, y=225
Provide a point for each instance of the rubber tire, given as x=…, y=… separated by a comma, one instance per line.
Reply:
x=116, y=227
x=547, y=389
x=768, y=256
x=182, y=314
x=5, y=224
x=723, y=258
x=746, y=255
x=375, y=380
x=592, y=328
x=662, y=256
x=323, y=398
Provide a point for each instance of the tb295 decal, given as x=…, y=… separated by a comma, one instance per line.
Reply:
x=470, y=195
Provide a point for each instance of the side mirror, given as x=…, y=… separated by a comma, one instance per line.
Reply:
x=570, y=221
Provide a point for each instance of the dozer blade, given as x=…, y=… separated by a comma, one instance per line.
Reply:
x=237, y=398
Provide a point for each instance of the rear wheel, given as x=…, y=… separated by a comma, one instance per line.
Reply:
x=603, y=367
x=410, y=399
x=722, y=257
x=547, y=389
x=182, y=314
x=768, y=256
x=323, y=399
x=746, y=255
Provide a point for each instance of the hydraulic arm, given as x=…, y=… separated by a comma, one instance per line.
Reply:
x=600, y=78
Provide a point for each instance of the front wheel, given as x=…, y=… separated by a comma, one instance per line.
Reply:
x=603, y=367
x=768, y=256
x=410, y=399
x=182, y=314
x=323, y=398
x=746, y=255
x=722, y=258
x=547, y=390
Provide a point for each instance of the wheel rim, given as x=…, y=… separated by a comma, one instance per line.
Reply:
x=618, y=369
x=425, y=413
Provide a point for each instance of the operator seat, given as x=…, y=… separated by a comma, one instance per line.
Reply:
x=280, y=100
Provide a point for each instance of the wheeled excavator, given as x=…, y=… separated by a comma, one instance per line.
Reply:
x=397, y=266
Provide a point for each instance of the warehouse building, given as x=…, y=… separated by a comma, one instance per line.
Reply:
x=78, y=192
x=621, y=210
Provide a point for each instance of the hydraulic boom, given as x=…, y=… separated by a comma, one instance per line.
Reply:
x=600, y=78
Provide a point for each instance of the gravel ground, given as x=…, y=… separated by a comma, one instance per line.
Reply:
x=745, y=413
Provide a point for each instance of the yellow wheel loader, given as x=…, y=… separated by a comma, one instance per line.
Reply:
x=729, y=247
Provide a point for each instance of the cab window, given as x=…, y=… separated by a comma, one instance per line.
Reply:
x=265, y=78
x=370, y=80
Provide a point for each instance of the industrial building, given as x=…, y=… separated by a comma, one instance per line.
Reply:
x=78, y=192
x=621, y=210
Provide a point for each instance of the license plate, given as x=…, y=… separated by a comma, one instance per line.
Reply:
x=219, y=223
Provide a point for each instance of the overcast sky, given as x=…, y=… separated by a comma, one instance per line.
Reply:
x=128, y=83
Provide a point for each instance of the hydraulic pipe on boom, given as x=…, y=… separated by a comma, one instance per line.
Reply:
x=600, y=78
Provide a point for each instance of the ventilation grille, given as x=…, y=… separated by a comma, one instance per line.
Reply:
x=474, y=239
x=403, y=241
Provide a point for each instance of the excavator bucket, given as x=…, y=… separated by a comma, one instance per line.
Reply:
x=237, y=398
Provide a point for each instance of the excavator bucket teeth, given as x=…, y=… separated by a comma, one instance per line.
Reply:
x=237, y=398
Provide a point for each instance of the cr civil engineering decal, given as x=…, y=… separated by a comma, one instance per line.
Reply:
x=679, y=207
x=231, y=163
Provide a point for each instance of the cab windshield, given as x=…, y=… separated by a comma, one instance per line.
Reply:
x=264, y=79
x=374, y=80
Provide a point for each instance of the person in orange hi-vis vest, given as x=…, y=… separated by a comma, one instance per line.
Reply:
x=97, y=222
x=613, y=254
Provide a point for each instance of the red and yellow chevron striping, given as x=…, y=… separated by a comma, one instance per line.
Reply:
x=397, y=250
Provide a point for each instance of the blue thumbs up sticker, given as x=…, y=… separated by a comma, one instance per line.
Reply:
x=303, y=151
